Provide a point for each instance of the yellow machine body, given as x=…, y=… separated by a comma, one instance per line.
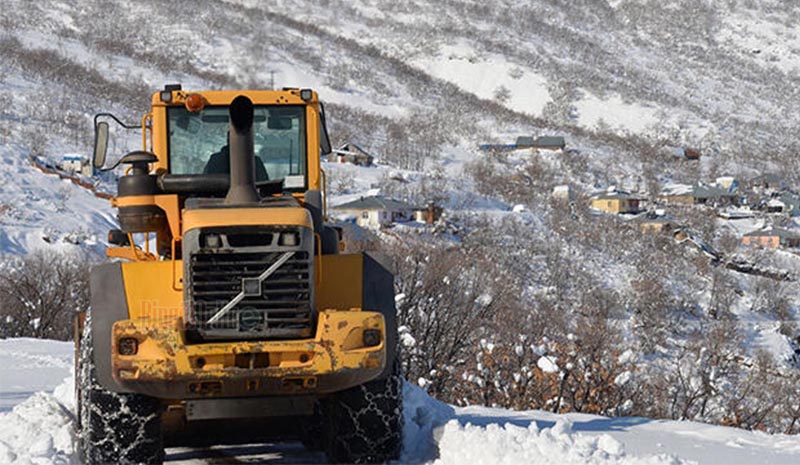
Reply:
x=167, y=366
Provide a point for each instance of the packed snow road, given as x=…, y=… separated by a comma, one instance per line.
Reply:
x=37, y=427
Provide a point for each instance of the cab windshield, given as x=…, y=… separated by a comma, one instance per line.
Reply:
x=198, y=142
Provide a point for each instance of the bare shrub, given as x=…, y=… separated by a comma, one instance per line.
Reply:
x=446, y=298
x=40, y=293
x=343, y=182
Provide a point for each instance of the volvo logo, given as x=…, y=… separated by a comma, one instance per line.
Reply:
x=251, y=319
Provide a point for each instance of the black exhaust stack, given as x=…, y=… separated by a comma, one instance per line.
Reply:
x=242, y=153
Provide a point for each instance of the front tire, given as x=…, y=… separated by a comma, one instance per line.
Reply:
x=114, y=427
x=364, y=424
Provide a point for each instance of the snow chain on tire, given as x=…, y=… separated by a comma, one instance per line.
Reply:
x=364, y=424
x=114, y=428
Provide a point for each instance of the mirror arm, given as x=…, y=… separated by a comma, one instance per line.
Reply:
x=103, y=170
x=117, y=120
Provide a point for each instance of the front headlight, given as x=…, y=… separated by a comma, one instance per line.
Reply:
x=212, y=241
x=290, y=239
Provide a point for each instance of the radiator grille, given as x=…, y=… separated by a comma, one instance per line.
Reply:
x=281, y=308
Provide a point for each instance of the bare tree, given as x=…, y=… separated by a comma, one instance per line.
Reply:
x=40, y=293
x=446, y=298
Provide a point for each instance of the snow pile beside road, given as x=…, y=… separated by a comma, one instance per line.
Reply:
x=31, y=365
x=510, y=444
x=435, y=432
x=40, y=430
x=422, y=414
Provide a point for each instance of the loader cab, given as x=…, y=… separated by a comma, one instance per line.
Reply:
x=185, y=156
x=198, y=143
x=190, y=134
x=185, y=130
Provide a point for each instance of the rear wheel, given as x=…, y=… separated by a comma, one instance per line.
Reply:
x=114, y=427
x=364, y=424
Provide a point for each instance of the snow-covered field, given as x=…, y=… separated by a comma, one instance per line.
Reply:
x=39, y=429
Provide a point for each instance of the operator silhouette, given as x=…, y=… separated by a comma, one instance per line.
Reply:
x=220, y=163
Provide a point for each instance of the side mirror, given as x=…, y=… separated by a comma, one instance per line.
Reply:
x=324, y=140
x=100, y=144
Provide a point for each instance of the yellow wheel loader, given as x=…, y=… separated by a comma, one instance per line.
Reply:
x=227, y=312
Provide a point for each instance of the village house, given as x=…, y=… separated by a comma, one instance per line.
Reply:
x=772, y=237
x=767, y=182
x=351, y=153
x=728, y=183
x=377, y=211
x=683, y=235
x=654, y=223
x=75, y=164
x=698, y=194
x=542, y=142
x=614, y=201
x=430, y=214
x=691, y=154
x=563, y=193
x=787, y=203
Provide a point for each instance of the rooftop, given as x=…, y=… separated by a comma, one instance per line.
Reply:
x=616, y=194
x=347, y=149
x=541, y=141
x=698, y=190
x=773, y=231
x=375, y=203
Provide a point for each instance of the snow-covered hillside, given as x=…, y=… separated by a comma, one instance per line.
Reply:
x=449, y=76
x=44, y=212
x=40, y=429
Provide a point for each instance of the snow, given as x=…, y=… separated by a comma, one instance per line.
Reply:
x=616, y=113
x=547, y=364
x=487, y=74
x=47, y=212
x=40, y=429
x=676, y=189
x=686, y=98
x=510, y=444
x=623, y=378
x=775, y=44
x=31, y=365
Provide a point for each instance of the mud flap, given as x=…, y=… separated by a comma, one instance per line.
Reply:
x=109, y=305
x=378, y=296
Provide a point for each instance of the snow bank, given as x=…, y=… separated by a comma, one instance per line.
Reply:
x=436, y=433
x=422, y=414
x=31, y=365
x=510, y=444
x=40, y=430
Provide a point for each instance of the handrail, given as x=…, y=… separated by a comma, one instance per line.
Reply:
x=318, y=238
x=324, y=194
x=175, y=285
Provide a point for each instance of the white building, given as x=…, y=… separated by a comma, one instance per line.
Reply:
x=76, y=164
x=376, y=212
x=563, y=193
